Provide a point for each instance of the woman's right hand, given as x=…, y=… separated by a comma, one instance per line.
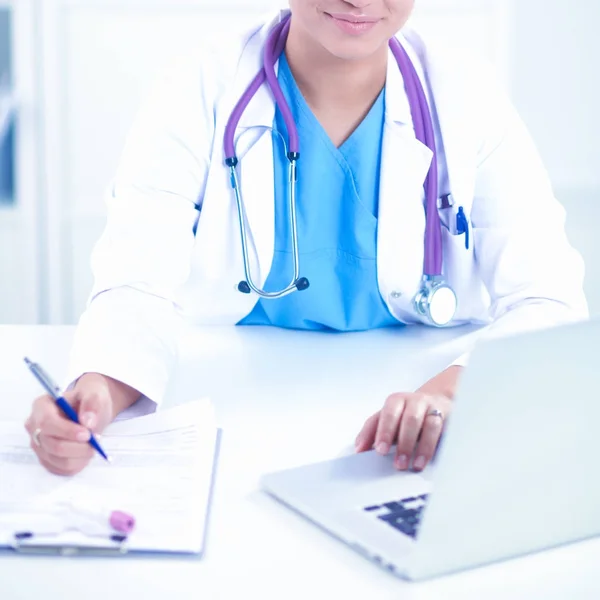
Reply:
x=63, y=445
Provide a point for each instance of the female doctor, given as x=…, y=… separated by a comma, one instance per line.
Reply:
x=319, y=172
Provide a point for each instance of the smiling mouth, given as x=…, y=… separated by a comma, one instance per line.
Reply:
x=352, y=24
x=353, y=19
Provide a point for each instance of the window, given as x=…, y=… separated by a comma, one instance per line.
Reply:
x=7, y=117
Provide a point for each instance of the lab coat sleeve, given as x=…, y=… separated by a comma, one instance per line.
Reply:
x=532, y=273
x=130, y=327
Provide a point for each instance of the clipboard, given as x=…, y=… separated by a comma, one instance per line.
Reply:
x=24, y=542
x=28, y=542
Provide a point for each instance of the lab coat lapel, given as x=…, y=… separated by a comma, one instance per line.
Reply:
x=453, y=123
x=458, y=139
x=401, y=222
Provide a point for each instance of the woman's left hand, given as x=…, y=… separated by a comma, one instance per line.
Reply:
x=414, y=422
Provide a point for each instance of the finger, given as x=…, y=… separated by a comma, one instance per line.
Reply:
x=63, y=468
x=48, y=417
x=94, y=406
x=60, y=466
x=409, y=430
x=387, y=426
x=430, y=437
x=49, y=467
x=366, y=437
x=60, y=448
x=38, y=411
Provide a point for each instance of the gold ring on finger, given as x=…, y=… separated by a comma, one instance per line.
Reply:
x=35, y=436
x=434, y=412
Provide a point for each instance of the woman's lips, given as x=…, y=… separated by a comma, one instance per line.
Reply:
x=353, y=25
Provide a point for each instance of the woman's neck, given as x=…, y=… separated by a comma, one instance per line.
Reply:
x=329, y=82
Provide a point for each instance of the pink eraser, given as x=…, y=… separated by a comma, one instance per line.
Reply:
x=122, y=522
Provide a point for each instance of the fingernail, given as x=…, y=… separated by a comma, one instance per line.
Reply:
x=83, y=436
x=88, y=420
x=402, y=462
x=357, y=443
x=383, y=448
x=419, y=463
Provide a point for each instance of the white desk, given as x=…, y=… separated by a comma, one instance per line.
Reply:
x=283, y=399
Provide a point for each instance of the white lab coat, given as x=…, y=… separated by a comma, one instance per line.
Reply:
x=153, y=275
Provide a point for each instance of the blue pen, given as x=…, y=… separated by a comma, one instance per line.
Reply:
x=54, y=391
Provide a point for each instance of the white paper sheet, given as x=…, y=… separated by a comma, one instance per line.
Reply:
x=161, y=473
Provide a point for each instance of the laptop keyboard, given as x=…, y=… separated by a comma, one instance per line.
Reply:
x=403, y=515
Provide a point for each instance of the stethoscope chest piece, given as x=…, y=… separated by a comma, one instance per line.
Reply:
x=436, y=301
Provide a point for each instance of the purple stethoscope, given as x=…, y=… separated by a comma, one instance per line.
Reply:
x=435, y=300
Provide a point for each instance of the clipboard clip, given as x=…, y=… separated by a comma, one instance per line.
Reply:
x=24, y=543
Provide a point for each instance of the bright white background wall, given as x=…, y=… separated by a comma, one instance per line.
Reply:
x=95, y=58
x=21, y=253
x=555, y=86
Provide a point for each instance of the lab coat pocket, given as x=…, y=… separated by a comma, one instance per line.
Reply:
x=456, y=222
x=459, y=266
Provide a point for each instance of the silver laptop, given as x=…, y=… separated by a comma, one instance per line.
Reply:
x=517, y=470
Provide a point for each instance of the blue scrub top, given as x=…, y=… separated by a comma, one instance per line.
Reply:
x=337, y=204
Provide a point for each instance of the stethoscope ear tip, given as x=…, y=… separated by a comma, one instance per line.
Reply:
x=302, y=284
